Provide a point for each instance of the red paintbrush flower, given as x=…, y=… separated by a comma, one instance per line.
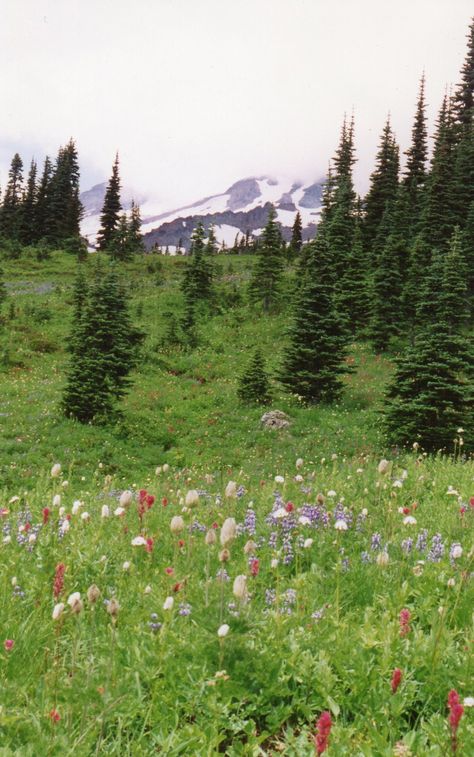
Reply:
x=404, y=621
x=46, y=514
x=58, y=583
x=254, y=566
x=396, y=679
x=54, y=716
x=323, y=726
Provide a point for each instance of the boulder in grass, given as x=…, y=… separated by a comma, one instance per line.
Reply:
x=275, y=419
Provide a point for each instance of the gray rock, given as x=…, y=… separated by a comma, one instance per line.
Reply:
x=275, y=419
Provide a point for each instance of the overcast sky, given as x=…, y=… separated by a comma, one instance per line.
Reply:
x=196, y=94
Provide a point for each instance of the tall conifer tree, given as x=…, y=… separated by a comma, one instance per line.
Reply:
x=415, y=173
x=383, y=188
x=10, y=217
x=314, y=360
x=265, y=286
x=111, y=208
x=28, y=208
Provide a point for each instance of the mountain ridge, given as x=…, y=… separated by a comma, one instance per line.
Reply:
x=240, y=209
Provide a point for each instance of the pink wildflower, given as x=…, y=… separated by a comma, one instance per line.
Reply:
x=59, y=579
x=321, y=740
x=404, y=620
x=396, y=679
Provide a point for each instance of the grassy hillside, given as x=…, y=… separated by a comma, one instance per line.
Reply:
x=145, y=623
x=183, y=407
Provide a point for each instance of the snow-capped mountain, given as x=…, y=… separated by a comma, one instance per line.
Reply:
x=240, y=209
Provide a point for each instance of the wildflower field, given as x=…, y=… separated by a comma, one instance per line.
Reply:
x=196, y=616
x=187, y=583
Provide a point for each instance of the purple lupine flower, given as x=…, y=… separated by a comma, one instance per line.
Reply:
x=376, y=542
x=407, y=545
x=184, y=609
x=422, y=540
x=250, y=522
x=153, y=624
x=270, y=596
x=437, y=549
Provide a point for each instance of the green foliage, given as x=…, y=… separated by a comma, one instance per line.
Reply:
x=294, y=248
x=265, y=285
x=103, y=348
x=352, y=292
x=415, y=173
x=313, y=361
x=111, y=208
x=432, y=392
x=198, y=274
x=254, y=386
x=383, y=188
x=10, y=216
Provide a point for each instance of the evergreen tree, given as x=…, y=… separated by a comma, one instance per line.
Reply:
x=120, y=245
x=353, y=295
x=103, y=349
x=28, y=209
x=463, y=180
x=383, y=188
x=10, y=217
x=211, y=244
x=65, y=208
x=265, y=285
x=418, y=264
x=254, y=386
x=134, y=230
x=338, y=218
x=43, y=210
x=197, y=280
x=415, y=172
x=432, y=391
x=464, y=97
x=296, y=241
x=439, y=217
x=386, y=291
x=467, y=246
x=111, y=208
x=314, y=359
x=455, y=306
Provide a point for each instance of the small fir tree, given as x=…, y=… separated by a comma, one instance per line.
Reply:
x=265, y=286
x=10, y=215
x=134, y=230
x=28, y=209
x=415, y=174
x=111, y=208
x=352, y=292
x=120, y=246
x=254, y=386
x=198, y=274
x=314, y=360
x=103, y=346
x=294, y=248
x=383, y=186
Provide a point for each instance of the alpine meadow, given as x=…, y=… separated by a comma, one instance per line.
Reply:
x=237, y=455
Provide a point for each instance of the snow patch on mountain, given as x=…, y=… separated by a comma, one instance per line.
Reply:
x=242, y=207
